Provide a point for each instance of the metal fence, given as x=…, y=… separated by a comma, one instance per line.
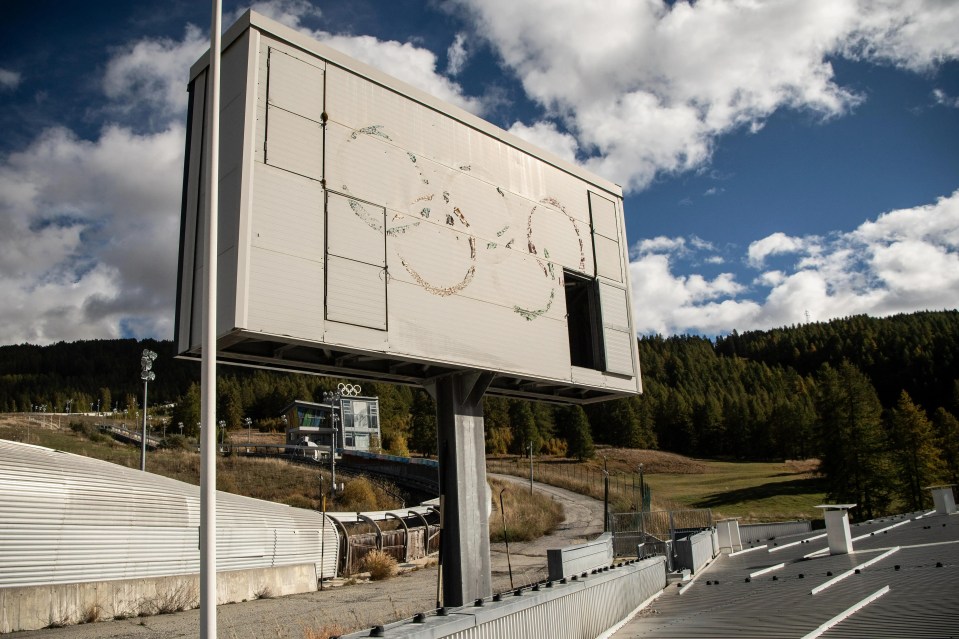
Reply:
x=656, y=528
x=402, y=545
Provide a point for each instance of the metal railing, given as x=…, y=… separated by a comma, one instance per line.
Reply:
x=655, y=528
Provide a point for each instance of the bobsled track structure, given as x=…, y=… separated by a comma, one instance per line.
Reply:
x=81, y=533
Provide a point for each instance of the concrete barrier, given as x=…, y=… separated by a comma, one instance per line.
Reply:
x=695, y=551
x=574, y=560
x=35, y=607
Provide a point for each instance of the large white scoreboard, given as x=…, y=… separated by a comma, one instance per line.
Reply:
x=369, y=230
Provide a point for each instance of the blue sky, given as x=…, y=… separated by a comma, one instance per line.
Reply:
x=782, y=160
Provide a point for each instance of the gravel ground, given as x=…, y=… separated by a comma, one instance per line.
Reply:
x=359, y=605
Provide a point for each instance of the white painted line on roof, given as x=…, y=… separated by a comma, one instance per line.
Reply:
x=816, y=553
x=852, y=571
x=743, y=552
x=848, y=612
x=876, y=532
x=765, y=570
x=796, y=543
x=931, y=512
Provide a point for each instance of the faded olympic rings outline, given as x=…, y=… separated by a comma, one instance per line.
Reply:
x=376, y=130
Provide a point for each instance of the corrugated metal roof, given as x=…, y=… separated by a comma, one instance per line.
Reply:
x=921, y=601
x=67, y=518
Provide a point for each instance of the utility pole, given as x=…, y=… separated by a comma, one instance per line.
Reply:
x=530, y=447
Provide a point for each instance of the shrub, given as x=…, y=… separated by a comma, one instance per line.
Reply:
x=379, y=564
x=358, y=495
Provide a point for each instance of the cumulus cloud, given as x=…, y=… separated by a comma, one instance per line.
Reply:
x=79, y=248
x=147, y=78
x=646, y=87
x=903, y=261
x=456, y=55
x=9, y=80
x=775, y=244
x=546, y=136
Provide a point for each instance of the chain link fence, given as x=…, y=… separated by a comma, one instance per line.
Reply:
x=657, y=530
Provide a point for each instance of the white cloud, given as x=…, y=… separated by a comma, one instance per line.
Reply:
x=944, y=99
x=775, y=244
x=80, y=252
x=913, y=34
x=456, y=55
x=660, y=245
x=646, y=87
x=904, y=261
x=149, y=76
x=546, y=136
x=9, y=80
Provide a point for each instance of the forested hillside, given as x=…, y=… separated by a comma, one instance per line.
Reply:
x=889, y=384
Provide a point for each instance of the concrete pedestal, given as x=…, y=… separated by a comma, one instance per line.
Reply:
x=464, y=493
x=729, y=538
x=837, y=528
x=943, y=499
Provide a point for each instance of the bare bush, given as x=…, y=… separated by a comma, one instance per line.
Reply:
x=380, y=565
x=170, y=598
x=263, y=592
x=92, y=614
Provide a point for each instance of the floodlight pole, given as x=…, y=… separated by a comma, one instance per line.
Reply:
x=208, y=345
x=465, y=550
x=147, y=375
x=331, y=398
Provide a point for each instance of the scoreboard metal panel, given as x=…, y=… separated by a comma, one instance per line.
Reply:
x=370, y=230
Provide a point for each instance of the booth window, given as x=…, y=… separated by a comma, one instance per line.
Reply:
x=583, y=321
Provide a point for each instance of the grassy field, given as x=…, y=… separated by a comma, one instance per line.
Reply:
x=755, y=491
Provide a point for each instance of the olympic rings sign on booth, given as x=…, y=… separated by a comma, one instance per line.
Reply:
x=348, y=390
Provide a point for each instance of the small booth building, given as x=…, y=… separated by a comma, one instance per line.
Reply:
x=357, y=421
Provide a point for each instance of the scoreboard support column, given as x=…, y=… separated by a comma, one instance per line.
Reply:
x=464, y=540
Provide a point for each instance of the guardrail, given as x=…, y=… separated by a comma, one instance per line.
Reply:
x=128, y=434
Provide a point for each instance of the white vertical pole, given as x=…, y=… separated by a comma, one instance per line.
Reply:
x=208, y=373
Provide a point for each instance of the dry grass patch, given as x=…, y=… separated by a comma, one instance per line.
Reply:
x=528, y=516
x=380, y=565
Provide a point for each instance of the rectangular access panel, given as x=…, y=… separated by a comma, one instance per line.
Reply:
x=370, y=230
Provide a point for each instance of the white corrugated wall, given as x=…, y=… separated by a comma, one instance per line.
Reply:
x=66, y=518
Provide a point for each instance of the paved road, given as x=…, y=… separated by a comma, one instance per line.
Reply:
x=313, y=615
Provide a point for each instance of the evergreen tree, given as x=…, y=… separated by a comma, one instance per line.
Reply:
x=423, y=424
x=523, y=425
x=573, y=426
x=853, y=457
x=914, y=452
x=947, y=427
x=499, y=436
x=187, y=412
